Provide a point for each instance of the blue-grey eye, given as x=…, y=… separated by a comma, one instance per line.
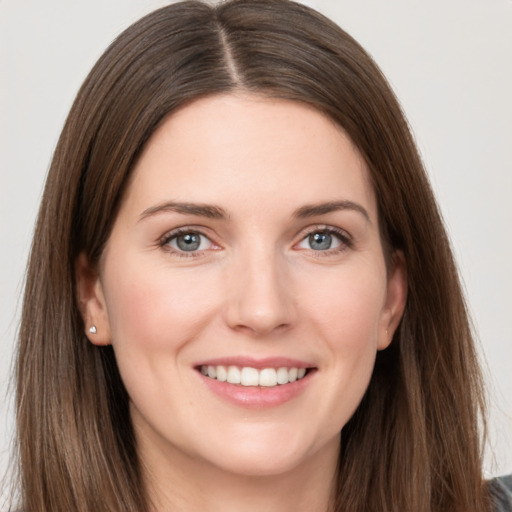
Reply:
x=320, y=241
x=189, y=242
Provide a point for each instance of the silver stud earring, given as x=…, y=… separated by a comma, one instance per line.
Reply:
x=93, y=329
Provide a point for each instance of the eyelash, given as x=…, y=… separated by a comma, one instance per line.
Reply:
x=346, y=241
x=168, y=237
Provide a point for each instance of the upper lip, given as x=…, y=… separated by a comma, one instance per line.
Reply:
x=258, y=363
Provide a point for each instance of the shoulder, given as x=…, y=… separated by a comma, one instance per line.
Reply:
x=501, y=493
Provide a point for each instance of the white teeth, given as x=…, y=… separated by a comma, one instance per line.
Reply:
x=268, y=377
x=233, y=375
x=247, y=376
x=222, y=373
x=282, y=376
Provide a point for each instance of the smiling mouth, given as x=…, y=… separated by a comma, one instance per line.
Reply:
x=250, y=377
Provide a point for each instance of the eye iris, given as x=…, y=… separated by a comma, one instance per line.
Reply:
x=320, y=241
x=188, y=242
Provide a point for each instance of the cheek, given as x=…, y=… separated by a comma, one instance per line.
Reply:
x=347, y=305
x=347, y=319
x=154, y=313
x=355, y=328
x=152, y=310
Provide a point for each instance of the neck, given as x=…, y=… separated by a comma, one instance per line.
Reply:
x=175, y=481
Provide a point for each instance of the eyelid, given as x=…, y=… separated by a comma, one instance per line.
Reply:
x=346, y=240
x=164, y=241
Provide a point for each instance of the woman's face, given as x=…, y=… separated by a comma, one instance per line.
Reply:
x=247, y=247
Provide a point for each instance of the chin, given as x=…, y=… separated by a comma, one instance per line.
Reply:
x=261, y=455
x=262, y=464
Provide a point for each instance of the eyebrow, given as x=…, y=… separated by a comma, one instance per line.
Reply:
x=201, y=210
x=331, y=206
x=211, y=211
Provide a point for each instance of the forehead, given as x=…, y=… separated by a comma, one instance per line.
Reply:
x=228, y=147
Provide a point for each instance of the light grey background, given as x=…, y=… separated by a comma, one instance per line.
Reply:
x=450, y=62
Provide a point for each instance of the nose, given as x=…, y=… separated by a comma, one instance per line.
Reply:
x=259, y=297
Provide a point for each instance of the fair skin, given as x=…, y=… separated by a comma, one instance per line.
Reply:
x=278, y=266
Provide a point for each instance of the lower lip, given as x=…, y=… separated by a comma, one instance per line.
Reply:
x=256, y=396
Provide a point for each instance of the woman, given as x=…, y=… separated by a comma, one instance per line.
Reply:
x=238, y=256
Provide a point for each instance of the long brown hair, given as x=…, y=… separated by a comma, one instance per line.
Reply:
x=413, y=443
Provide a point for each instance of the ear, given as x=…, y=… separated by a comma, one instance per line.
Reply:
x=396, y=298
x=91, y=302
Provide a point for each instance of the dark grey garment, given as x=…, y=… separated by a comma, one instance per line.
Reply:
x=501, y=493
